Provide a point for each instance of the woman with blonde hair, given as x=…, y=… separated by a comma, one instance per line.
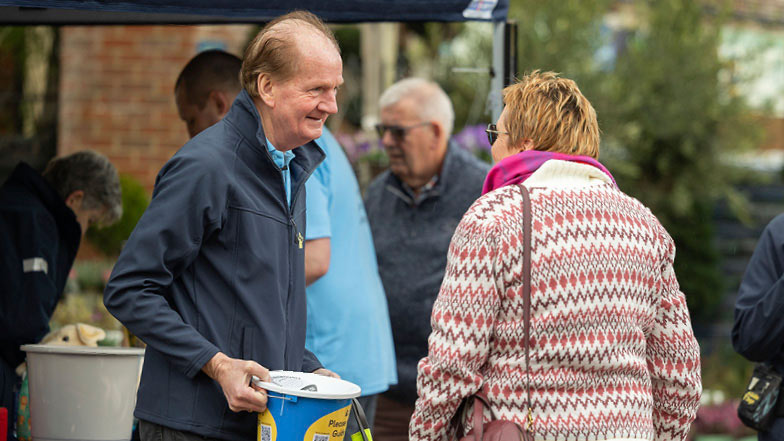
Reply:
x=611, y=353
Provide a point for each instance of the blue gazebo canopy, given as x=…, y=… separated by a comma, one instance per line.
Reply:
x=243, y=11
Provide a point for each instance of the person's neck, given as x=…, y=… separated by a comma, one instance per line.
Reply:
x=268, y=127
x=416, y=183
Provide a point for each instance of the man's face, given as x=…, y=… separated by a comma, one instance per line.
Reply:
x=196, y=119
x=301, y=104
x=88, y=218
x=413, y=152
x=85, y=217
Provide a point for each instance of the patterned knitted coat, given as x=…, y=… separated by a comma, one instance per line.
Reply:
x=612, y=351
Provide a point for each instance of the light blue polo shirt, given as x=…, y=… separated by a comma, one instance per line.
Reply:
x=348, y=322
x=282, y=160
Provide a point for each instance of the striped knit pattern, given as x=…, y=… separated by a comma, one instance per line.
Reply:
x=612, y=352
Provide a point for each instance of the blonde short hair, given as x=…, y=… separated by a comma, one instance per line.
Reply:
x=553, y=113
x=273, y=51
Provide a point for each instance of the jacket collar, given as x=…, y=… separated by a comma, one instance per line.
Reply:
x=395, y=185
x=26, y=177
x=244, y=115
x=450, y=163
x=559, y=173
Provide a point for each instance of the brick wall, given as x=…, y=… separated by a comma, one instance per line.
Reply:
x=761, y=11
x=774, y=133
x=117, y=90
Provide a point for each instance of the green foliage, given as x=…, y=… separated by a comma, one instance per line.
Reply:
x=135, y=200
x=457, y=56
x=350, y=97
x=89, y=276
x=83, y=308
x=560, y=36
x=668, y=112
x=725, y=370
x=348, y=38
x=17, y=45
x=676, y=121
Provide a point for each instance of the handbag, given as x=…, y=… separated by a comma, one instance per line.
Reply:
x=757, y=408
x=359, y=417
x=503, y=430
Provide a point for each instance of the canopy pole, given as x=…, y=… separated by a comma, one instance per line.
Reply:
x=379, y=46
x=504, y=69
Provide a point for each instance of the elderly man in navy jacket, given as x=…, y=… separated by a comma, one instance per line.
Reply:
x=212, y=278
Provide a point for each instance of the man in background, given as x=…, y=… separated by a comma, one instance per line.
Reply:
x=43, y=218
x=758, y=330
x=414, y=208
x=348, y=322
x=206, y=89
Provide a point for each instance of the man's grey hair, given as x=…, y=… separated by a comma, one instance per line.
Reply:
x=429, y=99
x=91, y=173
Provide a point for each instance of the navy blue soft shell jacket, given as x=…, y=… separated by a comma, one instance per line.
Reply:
x=215, y=264
x=758, y=332
x=35, y=224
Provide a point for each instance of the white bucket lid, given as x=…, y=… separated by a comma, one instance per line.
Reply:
x=292, y=383
x=82, y=350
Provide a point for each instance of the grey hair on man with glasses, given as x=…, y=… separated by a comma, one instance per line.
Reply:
x=433, y=104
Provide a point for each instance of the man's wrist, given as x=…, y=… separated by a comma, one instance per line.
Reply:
x=213, y=367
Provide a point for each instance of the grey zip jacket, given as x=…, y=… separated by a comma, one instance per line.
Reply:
x=216, y=263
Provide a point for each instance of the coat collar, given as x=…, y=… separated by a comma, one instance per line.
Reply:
x=448, y=168
x=27, y=178
x=245, y=116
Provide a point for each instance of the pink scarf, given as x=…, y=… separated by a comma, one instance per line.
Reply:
x=519, y=167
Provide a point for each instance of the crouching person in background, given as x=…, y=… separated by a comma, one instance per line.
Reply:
x=43, y=218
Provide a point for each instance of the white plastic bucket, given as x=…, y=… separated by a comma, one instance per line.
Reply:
x=82, y=393
x=318, y=412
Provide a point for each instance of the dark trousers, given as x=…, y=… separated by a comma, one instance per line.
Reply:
x=392, y=418
x=368, y=404
x=155, y=432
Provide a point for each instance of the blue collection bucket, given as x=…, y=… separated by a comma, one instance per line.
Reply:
x=305, y=407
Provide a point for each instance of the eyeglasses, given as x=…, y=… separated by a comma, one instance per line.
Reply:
x=397, y=132
x=492, y=133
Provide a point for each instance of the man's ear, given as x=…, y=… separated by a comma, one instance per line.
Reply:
x=221, y=101
x=74, y=200
x=438, y=133
x=266, y=89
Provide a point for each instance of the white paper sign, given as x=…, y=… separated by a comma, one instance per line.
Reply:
x=480, y=9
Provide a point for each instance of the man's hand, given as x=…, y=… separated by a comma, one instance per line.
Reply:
x=233, y=376
x=326, y=373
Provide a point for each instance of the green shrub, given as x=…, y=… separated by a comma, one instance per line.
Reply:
x=110, y=240
x=83, y=308
x=89, y=276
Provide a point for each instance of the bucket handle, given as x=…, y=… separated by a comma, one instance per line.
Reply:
x=265, y=385
x=359, y=416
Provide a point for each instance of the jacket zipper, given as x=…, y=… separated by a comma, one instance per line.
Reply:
x=293, y=230
x=300, y=239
